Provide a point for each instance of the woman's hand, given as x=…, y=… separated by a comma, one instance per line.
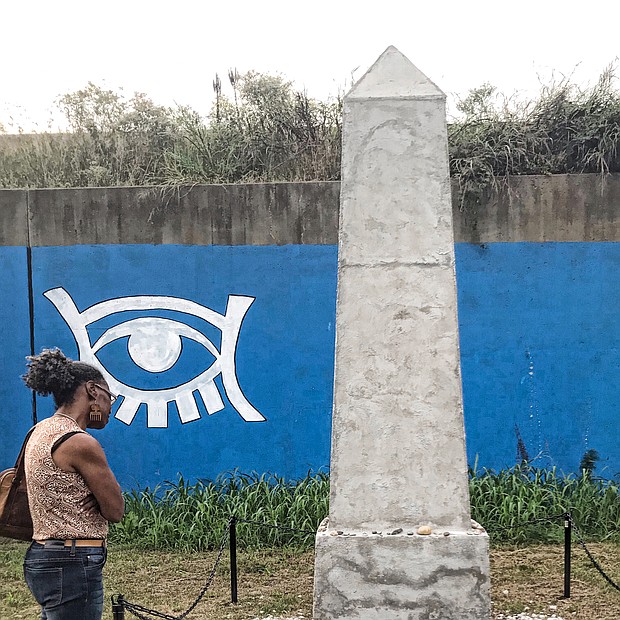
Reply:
x=89, y=504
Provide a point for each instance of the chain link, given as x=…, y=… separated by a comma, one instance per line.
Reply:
x=512, y=527
x=278, y=527
x=590, y=556
x=138, y=610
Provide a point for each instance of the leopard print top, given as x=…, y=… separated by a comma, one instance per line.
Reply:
x=54, y=495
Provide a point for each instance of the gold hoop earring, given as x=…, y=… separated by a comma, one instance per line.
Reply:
x=95, y=412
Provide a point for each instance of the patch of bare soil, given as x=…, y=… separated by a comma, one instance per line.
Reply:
x=531, y=580
x=269, y=583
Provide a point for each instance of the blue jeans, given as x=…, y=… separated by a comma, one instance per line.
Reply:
x=67, y=582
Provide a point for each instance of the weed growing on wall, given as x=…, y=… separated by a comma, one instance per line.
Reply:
x=266, y=131
x=567, y=129
x=194, y=516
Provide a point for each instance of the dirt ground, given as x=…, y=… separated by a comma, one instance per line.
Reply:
x=279, y=584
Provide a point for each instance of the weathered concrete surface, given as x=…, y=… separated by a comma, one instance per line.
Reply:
x=398, y=456
x=257, y=214
x=398, y=450
x=562, y=207
x=13, y=217
x=402, y=577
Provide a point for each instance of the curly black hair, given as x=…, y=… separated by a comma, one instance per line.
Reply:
x=52, y=372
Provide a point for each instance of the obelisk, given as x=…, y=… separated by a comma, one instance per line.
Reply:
x=399, y=543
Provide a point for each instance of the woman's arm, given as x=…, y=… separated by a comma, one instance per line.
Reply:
x=83, y=453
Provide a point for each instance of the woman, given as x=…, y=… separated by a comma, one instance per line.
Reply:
x=71, y=490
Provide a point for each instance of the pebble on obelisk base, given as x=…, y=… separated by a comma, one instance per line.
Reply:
x=399, y=543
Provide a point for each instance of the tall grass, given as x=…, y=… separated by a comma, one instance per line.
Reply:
x=514, y=504
x=183, y=516
x=267, y=131
x=567, y=129
x=195, y=516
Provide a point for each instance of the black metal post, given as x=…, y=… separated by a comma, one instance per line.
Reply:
x=118, y=609
x=568, y=527
x=232, y=539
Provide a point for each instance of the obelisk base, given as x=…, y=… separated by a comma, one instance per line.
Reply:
x=404, y=576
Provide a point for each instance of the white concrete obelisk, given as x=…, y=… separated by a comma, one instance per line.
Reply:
x=398, y=463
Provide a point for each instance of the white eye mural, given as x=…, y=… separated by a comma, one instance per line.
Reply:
x=155, y=344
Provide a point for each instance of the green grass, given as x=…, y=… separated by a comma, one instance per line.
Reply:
x=195, y=516
x=506, y=501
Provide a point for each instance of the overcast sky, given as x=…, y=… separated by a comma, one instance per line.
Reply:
x=172, y=50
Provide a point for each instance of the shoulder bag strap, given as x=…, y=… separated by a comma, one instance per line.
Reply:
x=64, y=438
x=19, y=463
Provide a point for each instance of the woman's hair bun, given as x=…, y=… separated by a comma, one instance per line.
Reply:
x=49, y=372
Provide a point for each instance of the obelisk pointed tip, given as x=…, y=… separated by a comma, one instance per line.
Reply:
x=394, y=76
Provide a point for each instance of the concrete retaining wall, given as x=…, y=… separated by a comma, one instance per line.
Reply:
x=536, y=275
x=563, y=207
x=574, y=208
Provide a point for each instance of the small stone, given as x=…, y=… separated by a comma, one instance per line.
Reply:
x=340, y=532
x=409, y=533
x=425, y=530
x=375, y=532
x=398, y=530
x=332, y=533
x=446, y=533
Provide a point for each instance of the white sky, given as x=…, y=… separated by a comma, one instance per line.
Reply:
x=172, y=50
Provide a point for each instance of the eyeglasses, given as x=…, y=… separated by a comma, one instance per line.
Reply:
x=113, y=397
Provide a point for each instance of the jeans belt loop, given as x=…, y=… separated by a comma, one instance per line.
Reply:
x=73, y=547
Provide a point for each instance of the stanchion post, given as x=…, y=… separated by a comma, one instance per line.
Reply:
x=232, y=539
x=118, y=609
x=567, y=547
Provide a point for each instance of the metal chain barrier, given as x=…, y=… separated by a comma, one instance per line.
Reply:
x=144, y=613
x=569, y=521
x=277, y=527
x=512, y=527
x=591, y=557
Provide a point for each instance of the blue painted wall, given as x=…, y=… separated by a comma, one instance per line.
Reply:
x=16, y=412
x=540, y=350
x=284, y=354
